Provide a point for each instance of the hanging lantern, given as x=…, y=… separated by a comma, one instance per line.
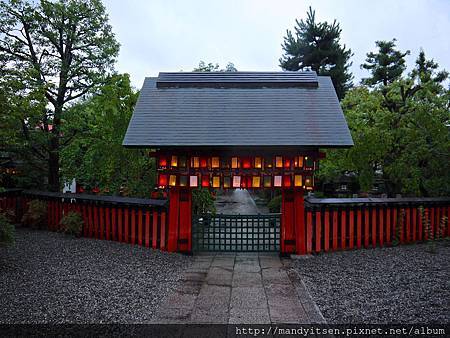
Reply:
x=195, y=162
x=227, y=182
x=279, y=162
x=205, y=181
x=258, y=162
x=162, y=180
x=174, y=161
x=287, y=181
x=193, y=181
x=162, y=162
x=267, y=181
x=236, y=181
x=298, y=181
x=173, y=180
x=215, y=163
x=183, y=181
x=216, y=182
x=277, y=181
x=234, y=163
x=287, y=163
x=246, y=163
x=256, y=183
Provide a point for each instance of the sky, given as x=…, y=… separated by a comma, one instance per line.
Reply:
x=174, y=35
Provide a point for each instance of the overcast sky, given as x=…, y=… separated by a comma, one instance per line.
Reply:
x=171, y=35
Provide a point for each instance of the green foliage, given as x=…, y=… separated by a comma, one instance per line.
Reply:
x=202, y=202
x=7, y=231
x=51, y=54
x=316, y=46
x=72, y=223
x=274, y=204
x=210, y=67
x=96, y=157
x=400, y=134
x=36, y=215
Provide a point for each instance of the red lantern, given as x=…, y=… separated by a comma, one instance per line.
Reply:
x=162, y=180
x=287, y=163
x=163, y=162
x=203, y=162
x=205, y=181
x=286, y=180
x=246, y=163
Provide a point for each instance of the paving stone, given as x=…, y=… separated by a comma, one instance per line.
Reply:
x=247, y=279
x=180, y=300
x=247, y=267
x=285, y=315
x=194, y=276
x=223, y=262
x=248, y=297
x=249, y=316
x=275, y=276
x=207, y=316
x=213, y=297
x=173, y=315
x=190, y=287
x=219, y=276
x=270, y=262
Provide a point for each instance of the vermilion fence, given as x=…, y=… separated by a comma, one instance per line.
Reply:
x=340, y=224
x=128, y=220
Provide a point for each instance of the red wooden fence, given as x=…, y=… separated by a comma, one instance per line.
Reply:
x=333, y=224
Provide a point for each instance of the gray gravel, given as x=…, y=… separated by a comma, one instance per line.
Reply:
x=404, y=284
x=52, y=278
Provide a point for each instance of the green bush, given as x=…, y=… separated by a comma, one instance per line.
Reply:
x=203, y=201
x=274, y=204
x=72, y=223
x=36, y=215
x=7, y=230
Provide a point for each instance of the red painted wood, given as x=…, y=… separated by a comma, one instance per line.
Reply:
x=133, y=226
x=358, y=228
x=113, y=224
x=119, y=225
x=381, y=226
x=107, y=224
x=448, y=221
x=126, y=229
x=335, y=230
x=60, y=213
x=147, y=228
x=299, y=230
x=374, y=227
x=101, y=219
x=343, y=229
x=388, y=225
x=395, y=223
x=366, y=228
x=85, y=219
x=326, y=244
x=49, y=215
x=96, y=223
x=155, y=230
x=438, y=221
x=426, y=223
x=408, y=225
x=185, y=221
x=91, y=221
x=139, y=239
x=351, y=230
x=174, y=216
x=162, y=225
x=420, y=226
x=414, y=224
x=308, y=232
x=318, y=231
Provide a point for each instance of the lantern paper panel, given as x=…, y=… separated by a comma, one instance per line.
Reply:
x=216, y=182
x=227, y=182
x=174, y=161
x=236, y=181
x=258, y=162
x=267, y=181
x=205, y=181
x=162, y=162
x=193, y=181
x=256, y=183
x=173, y=180
x=183, y=181
x=246, y=163
x=195, y=162
x=278, y=162
x=215, y=163
x=277, y=181
x=287, y=181
x=203, y=162
x=162, y=180
x=298, y=181
x=234, y=163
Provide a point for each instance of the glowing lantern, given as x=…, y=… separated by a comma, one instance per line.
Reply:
x=298, y=163
x=162, y=180
x=308, y=182
x=216, y=182
x=227, y=182
x=267, y=181
x=278, y=162
x=183, y=181
x=205, y=181
x=286, y=180
x=215, y=163
x=298, y=181
x=256, y=183
x=173, y=180
x=182, y=161
x=174, y=161
x=193, y=181
x=162, y=162
x=203, y=162
x=236, y=181
x=277, y=181
x=287, y=163
x=195, y=162
x=246, y=163
x=258, y=162
x=234, y=163
x=268, y=162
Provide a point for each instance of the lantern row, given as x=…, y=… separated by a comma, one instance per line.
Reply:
x=236, y=181
x=215, y=162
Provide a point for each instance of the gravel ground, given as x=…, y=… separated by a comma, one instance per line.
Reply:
x=404, y=284
x=52, y=278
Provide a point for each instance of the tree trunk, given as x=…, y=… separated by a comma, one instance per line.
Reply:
x=53, y=171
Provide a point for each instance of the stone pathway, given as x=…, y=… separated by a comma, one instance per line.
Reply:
x=240, y=288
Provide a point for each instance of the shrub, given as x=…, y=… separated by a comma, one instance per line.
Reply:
x=36, y=215
x=7, y=230
x=274, y=204
x=72, y=223
x=203, y=201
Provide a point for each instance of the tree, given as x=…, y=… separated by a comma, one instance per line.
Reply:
x=96, y=157
x=210, y=67
x=385, y=66
x=316, y=46
x=51, y=54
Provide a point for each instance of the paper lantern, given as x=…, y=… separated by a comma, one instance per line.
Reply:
x=236, y=181
x=183, y=181
x=287, y=181
x=256, y=183
x=298, y=181
x=195, y=162
x=267, y=181
x=234, y=162
x=193, y=181
x=216, y=182
x=203, y=162
x=277, y=181
x=205, y=181
x=215, y=163
x=287, y=163
x=162, y=180
x=227, y=182
x=279, y=162
x=162, y=162
x=246, y=163
x=298, y=162
x=182, y=162
x=258, y=162
x=173, y=180
x=174, y=161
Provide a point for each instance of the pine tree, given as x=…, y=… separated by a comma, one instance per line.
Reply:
x=316, y=46
x=386, y=65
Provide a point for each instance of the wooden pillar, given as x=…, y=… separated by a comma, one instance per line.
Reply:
x=180, y=220
x=293, y=231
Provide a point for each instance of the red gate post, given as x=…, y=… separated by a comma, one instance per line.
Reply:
x=174, y=212
x=293, y=232
x=185, y=221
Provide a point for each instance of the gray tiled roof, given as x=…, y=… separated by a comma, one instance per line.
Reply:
x=231, y=116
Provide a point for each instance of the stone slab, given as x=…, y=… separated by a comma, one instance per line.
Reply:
x=248, y=298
